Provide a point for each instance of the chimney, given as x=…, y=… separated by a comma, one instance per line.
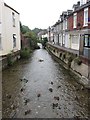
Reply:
x=76, y=6
x=78, y=3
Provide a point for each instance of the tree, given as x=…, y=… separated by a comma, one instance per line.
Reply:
x=44, y=41
x=36, y=30
x=32, y=39
x=24, y=29
x=30, y=35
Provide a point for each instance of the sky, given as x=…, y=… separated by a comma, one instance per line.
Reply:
x=40, y=13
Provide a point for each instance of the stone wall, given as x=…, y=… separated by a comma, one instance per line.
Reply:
x=73, y=62
x=4, y=61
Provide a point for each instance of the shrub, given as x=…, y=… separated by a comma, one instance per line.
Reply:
x=78, y=61
x=44, y=42
x=9, y=59
x=70, y=58
x=25, y=53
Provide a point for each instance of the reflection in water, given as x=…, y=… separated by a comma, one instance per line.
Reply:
x=34, y=99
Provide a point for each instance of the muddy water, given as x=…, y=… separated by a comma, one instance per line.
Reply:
x=37, y=88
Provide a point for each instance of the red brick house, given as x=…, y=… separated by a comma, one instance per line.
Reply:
x=79, y=29
x=70, y=22
x=73, y=29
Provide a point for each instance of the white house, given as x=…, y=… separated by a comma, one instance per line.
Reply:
x=44, y=36
x=9, y=29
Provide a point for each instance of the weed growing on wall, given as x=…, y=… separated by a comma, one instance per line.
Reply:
x=9, y=59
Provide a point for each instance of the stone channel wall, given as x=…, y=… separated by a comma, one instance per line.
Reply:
x=77, y=64
x=9, y=59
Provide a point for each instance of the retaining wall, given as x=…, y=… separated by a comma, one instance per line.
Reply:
x=77, y=64
x=4, y=59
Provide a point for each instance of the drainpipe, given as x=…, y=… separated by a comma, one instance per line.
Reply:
x=81, y=45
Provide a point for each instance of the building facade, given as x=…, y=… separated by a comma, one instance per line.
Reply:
x=72, y=31
x=9, y=29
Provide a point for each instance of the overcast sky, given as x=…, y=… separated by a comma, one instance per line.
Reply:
x=40, y=13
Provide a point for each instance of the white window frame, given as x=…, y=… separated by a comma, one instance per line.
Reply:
x=66, y=24
x=75, y=20
x=86, y=17
x=63, y=25
x=87, y=40
x=63, y=39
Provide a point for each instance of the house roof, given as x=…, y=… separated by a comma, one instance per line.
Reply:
x=11, y=8
x=81, y=7
x=56, y=23
x=78, y=9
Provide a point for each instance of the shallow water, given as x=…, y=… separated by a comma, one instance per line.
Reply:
x=34, y=99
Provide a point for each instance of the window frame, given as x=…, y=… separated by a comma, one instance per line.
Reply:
x=85, y=17
x=87, y=43
x=75, y=20
x=66, y=24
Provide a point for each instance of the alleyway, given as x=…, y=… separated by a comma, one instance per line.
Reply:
x=41, y=88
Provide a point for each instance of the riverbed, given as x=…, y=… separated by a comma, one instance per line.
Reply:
x=40, y=87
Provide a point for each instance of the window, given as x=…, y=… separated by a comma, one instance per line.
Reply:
x=87, y=40
x=85, y=16
x=14, y=40
x=0, y=42
x=75, y=20
x=66, y=24
x=13, y=19
x=74, y=39
x=63, y=38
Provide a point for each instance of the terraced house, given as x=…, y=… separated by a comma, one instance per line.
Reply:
x=71, y=34
x=9, y=29
x=72, y=30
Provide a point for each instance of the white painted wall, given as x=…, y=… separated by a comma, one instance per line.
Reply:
x=60, y=39
x=51, y=37
x=44, y=36
x=75, y=42
x=55, y=38
x=67, y=41
x=8, y=30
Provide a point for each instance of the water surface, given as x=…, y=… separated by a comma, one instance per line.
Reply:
x=66, y=99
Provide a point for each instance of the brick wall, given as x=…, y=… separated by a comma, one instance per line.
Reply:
x=80, y=19
x=70, y=22
x=24, y=42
